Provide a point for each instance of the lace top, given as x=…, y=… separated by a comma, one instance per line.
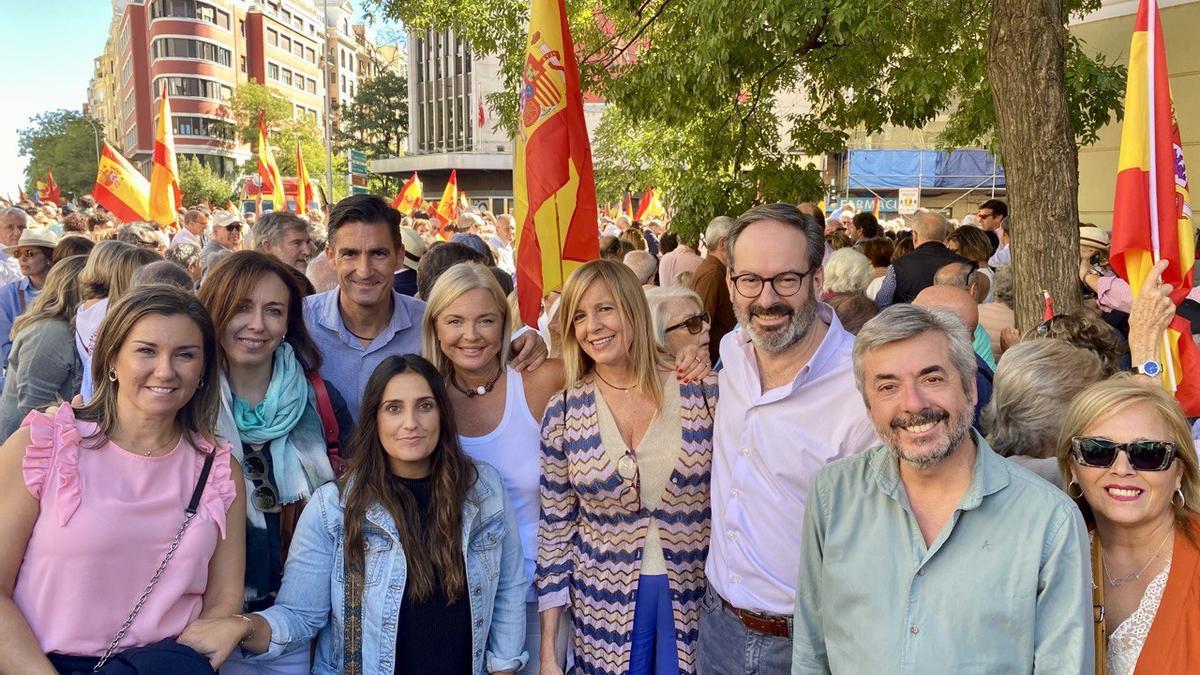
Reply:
x=1125, y=645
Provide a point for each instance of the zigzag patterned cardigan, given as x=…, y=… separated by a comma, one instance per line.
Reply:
x=592, y=528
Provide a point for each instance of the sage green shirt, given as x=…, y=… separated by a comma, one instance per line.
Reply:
x=1005, y=587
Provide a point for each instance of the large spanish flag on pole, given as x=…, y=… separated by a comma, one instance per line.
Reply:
x=553, y=187
x=120, y=188
x=651, y=206
x=165, y=196
x=1151, y=217
x=303, y=187
x=272, y=182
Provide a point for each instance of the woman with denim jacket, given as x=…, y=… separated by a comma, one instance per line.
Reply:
x=411, y=563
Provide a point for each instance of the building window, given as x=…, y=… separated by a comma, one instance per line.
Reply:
x=312, y=86
x=194, y=87
x=298, y=49
x=186, y=48
x=285, y=43
x=310, y=55
x=243, y=63
x=242, y=27
x=190, y=9
x=342, y=56
x=287, y=77
x=272, y=37
x=272, y=71
x=204, y=127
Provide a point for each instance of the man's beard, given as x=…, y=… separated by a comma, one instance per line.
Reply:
x=957, y=428
x=777, y=340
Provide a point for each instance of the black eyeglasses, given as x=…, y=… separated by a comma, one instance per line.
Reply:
x=785, y=284
x=694, y=324
x=265, y=497
x=1100, y=453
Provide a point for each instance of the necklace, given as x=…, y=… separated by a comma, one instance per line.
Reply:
x=623, y=390
x=1122, y=580
x=481, y=389
x=364, y=339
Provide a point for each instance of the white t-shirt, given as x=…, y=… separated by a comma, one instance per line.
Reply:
x=87, y=325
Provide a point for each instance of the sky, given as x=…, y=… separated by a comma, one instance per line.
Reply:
x=49, y=54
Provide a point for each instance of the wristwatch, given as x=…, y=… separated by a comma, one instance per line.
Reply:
x=1150, y=368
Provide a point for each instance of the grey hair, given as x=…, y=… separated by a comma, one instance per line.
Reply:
x=184, y=255
x=13, y=211
x=1033, y=387
x=138, y=234
x=270, y=227
x=904, y=322
x=643, y=265
x=658, y=298
x=718, y=229
x=1002, y=284
x=932, y=226
x=814, y=235
x=847, y=271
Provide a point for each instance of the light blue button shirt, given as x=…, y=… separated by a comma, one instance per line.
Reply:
x=1004, y=588
x=345, y=361
x=15, y=298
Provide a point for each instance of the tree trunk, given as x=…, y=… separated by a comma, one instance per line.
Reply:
x=1026, y=60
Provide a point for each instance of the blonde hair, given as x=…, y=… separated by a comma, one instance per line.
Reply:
x=59, y=296
x=451, y=285
x=1108, y=397
x=630, y=300
x=94, y=279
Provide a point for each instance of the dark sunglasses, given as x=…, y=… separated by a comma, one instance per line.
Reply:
x=1100, y=453
x=265, y=497
x=694, y=324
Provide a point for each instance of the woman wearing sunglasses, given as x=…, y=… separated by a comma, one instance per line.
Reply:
x=410, y=564
x=679, y=318
x=626, y=457
x=270, y=415
x=1128, y=459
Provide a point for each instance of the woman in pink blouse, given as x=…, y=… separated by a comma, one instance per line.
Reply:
x=92, y=499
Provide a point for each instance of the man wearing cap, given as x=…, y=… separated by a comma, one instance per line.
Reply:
x=226, y=238
x=33, y=251
x=404, y=281
x=13, y=222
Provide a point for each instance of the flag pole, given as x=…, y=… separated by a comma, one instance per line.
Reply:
x=1152, y=26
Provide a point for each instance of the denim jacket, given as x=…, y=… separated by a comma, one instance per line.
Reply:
x=310, y=602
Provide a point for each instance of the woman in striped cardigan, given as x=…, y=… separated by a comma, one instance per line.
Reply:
x=626, y=459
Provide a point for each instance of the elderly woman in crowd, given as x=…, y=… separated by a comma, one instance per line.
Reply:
x=410, y=564
x=1128, y=458
x=270, y=413
x=846, y=271
x=997, y=316
x=679, y=319
x=1033, y=386
x=497, y=409
x=95, y=499
x=624, y=503
x=43, y=367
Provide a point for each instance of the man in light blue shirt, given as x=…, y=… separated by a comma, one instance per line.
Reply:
x=930, y=553
x=363, y=321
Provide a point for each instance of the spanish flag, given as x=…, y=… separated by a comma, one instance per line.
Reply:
x=650, y=206
x=120, y=188
x=48, y=191
x=409, y=196
x=303, y=187
x=271, y=180
x=447, y=209
x=1151, y=216
x=627, y=209
x=165, y=196
x=553, y=186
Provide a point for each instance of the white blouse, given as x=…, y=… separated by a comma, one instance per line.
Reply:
x=1125, y=645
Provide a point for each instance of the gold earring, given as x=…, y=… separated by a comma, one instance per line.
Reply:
x=112, y=374
x=1182, y=499
x=1078, y=496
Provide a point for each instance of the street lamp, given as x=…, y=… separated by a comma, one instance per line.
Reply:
x=96, y=133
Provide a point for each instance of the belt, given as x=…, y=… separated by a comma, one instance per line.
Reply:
x=767, y=624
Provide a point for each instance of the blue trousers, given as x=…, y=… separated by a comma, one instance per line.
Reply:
x=654, y=649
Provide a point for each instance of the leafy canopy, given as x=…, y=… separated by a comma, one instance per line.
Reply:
x=63, y=141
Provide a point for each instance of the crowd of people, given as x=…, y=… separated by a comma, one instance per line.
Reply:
x=793, y=442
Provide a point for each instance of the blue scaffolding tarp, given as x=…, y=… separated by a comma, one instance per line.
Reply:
x=891, y=169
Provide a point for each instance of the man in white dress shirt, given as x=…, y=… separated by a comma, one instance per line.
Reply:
x=788, y=406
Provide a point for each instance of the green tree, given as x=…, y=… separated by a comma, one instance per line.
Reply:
x=201, y=185
x=376, y=122
x=65, y=142
x=284, y=132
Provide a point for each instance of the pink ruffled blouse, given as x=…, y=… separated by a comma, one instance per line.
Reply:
x=107, y=518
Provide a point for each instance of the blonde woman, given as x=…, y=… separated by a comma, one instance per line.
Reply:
x=497, y=409
x=43, y=367
x=1127, y=457
x=626, y=458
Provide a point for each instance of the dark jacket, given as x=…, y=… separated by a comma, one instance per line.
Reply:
x=914, y=272
x=709, y=283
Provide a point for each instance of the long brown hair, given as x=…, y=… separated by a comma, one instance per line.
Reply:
x=432, y=544
x=232, y=280
x=199, y=414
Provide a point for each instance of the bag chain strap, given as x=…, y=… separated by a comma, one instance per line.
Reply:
x=112, y=646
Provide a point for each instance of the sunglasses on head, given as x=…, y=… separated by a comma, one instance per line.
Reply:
x=1101, y=453
x=694, y=324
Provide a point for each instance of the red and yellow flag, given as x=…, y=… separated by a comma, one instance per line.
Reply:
x=553, y=185
x=1151, y=216
x=651, y=206
x=303, y=187
x=447, y=208
x=272, y=182
x=48, y=191
x=409, y=196
x=165, y=196
x=120, y=188
x=627, y=208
